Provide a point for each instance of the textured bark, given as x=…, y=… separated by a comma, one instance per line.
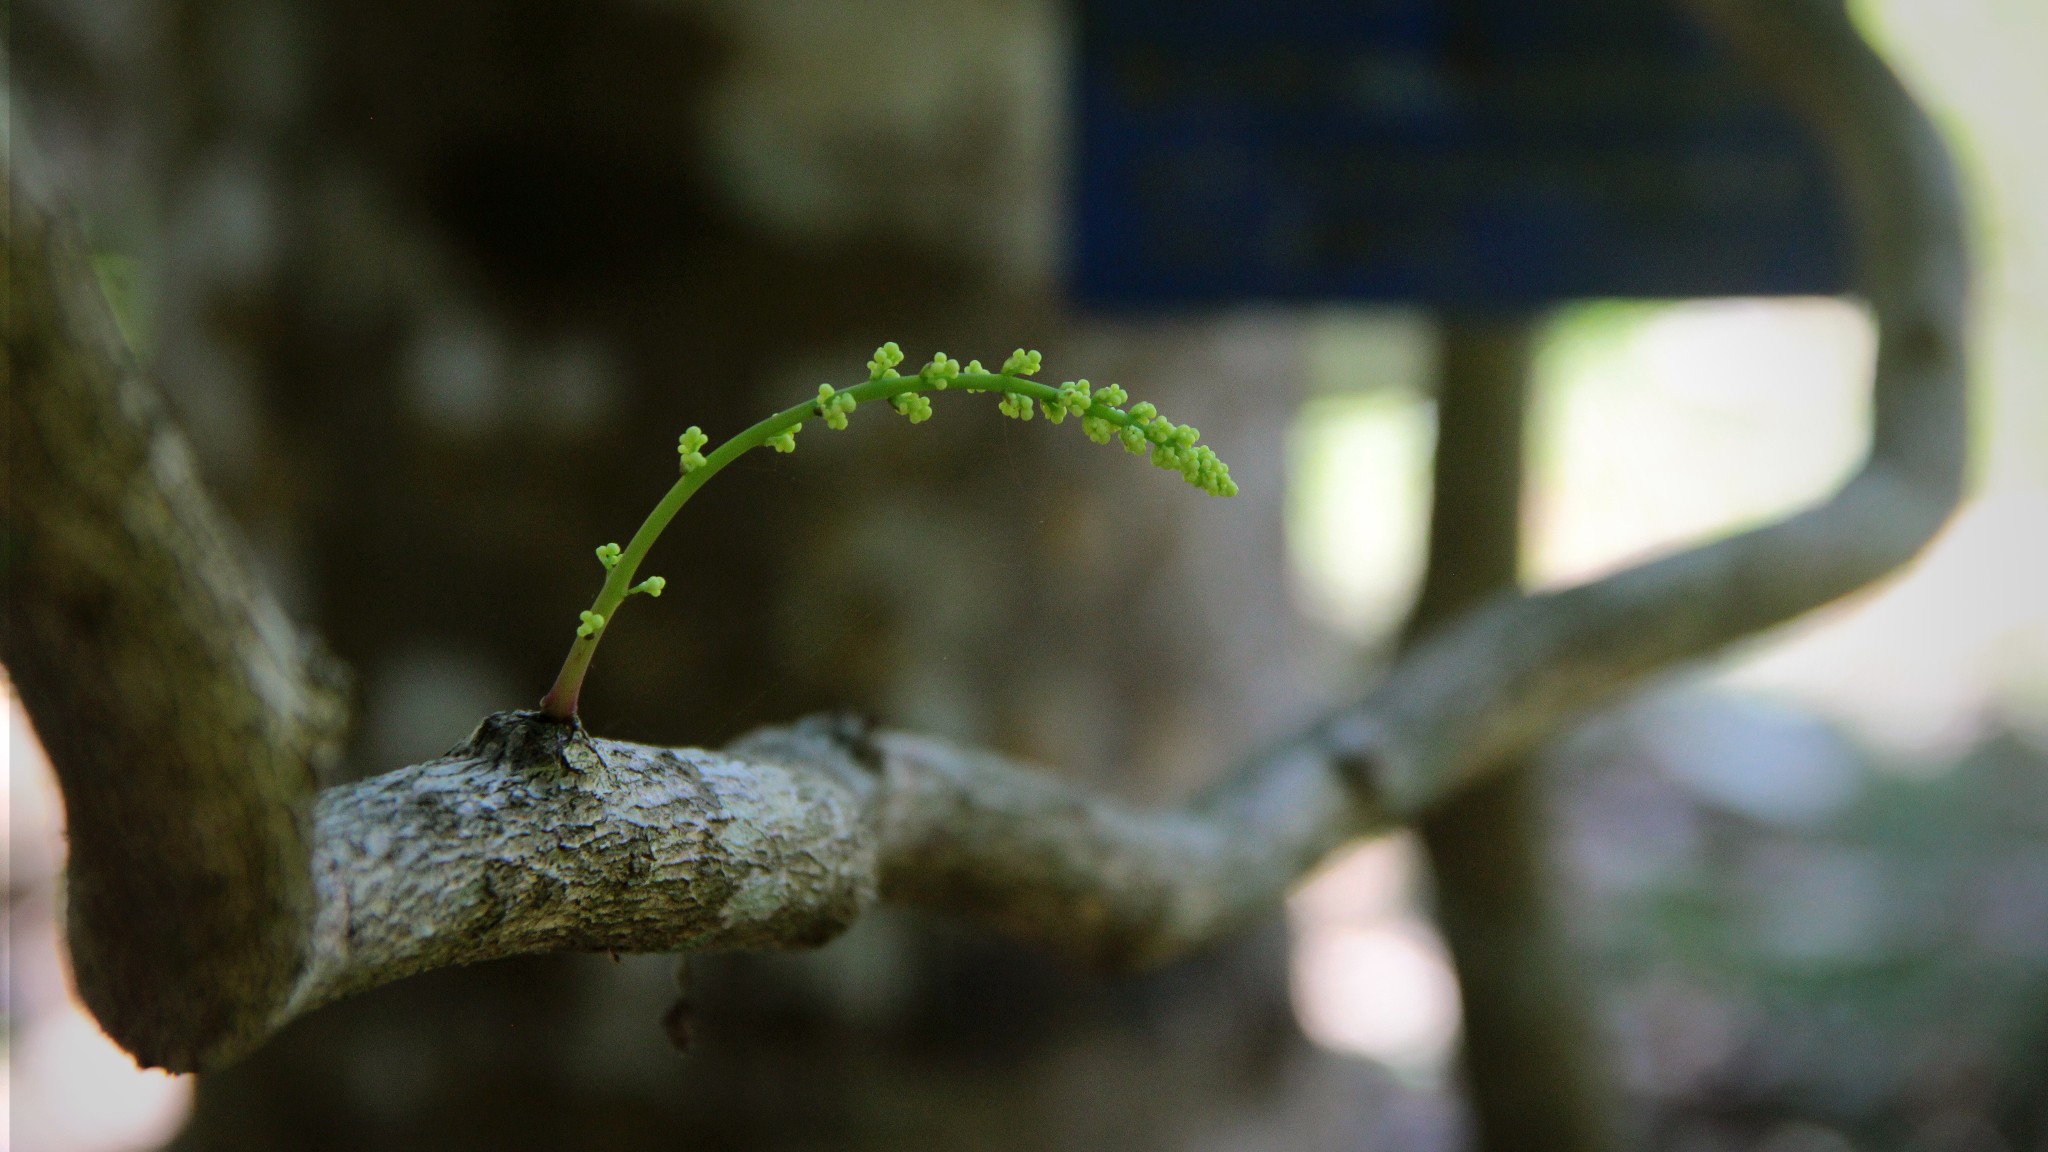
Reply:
x=187, y=713
x=533, y=838
x=183, y=716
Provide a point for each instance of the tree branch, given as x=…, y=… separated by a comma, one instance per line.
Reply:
x=533, y=838
x=1510, y=674
x=212, y=900
x=183, y=712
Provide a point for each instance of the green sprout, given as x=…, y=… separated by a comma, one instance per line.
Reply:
x=1140, y=429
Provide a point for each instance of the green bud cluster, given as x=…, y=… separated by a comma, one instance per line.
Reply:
x=1098, y=428
x=591, y=625
x=942, y=371
x=835, y=406
x=608, y=556
x=1021, y=363
x=915, y=407
x=883, y=366
x=688, y=445
x=1174, y=448
x=1073, y=397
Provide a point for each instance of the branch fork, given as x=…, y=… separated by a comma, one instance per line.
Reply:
x=214, y=896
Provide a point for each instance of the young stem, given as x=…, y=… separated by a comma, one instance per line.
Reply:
x=561, y=701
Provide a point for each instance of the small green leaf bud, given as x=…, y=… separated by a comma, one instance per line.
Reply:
x=785, y=440
x=1134, y=440
x=834, y=406
x=1112, y=395
x=651, y=586
x=608, y=555
x=1144, y=411
x=1058, y=407
x=1021, y=363
x=688, y=444
x=591, y=625
x=887, y=357
x=1097, y=429
x=1015, y=405
x=917, y=409
x=1204, y=470
x=974, y=368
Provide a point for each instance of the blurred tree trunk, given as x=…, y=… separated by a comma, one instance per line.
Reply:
x=1531, y=1066
x=434, y=287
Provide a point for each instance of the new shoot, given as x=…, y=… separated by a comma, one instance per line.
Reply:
x=1140, y=429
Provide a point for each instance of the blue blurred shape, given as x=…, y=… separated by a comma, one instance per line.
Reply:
x=1472, y=154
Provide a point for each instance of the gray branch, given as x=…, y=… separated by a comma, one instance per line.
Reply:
x=214, y=897
x=182, y=711
x=532, y=837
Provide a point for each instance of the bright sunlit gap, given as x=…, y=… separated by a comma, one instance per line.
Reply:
x=71, y=1088
x=1370, y=975
x=1358, y=488
x=1654, y=427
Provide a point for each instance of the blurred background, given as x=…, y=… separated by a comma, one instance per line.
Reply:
x=428, y=285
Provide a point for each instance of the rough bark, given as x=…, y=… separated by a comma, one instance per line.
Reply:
x=183, y=716
x=186, y=711
x=532, y=837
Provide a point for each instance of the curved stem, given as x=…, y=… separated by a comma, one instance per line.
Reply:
x=562, y=699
